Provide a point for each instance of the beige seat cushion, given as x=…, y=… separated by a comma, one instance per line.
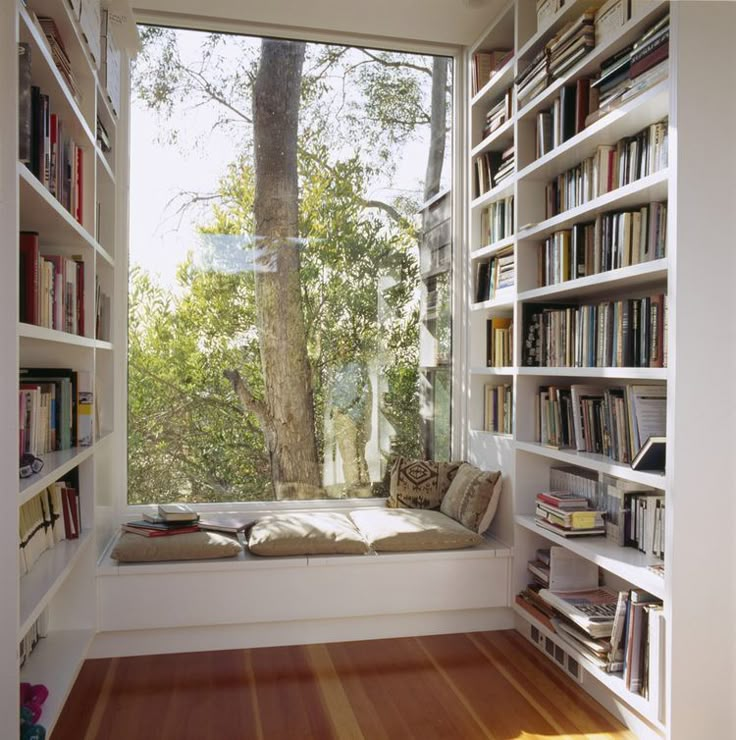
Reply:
x=306, y=533
x=406, y=530
x=132, y=548
x=472, y=498
x=419, y=484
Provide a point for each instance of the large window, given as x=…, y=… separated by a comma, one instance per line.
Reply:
x=290, y=257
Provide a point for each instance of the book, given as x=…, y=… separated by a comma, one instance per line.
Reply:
x=24, y=103
x=591, y=609
x=148, y=529
x=231, y=523
x=177, y=512
x=652, y=455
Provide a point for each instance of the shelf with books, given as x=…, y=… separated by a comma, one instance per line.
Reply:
x=502, y=79
x=491, y=249
x=612, y=681
x=55, y=465
x=483, y=370
x=500, y=191
x=625, y=562
x=40, y=585
x=627, y=120
x=590, y=63
x=30, y=331
x=650, y=188
x=501, y=138
x=504, y=299
x=55, y=662
x=45, y=74
x=599, y=463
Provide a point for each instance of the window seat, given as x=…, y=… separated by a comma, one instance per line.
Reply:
x=441, y=591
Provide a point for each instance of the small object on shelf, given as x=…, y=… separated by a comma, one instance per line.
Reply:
x=652, y=455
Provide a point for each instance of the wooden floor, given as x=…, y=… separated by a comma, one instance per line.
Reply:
x=480, y=685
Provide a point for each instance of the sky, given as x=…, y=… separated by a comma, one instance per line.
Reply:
x=160, y=237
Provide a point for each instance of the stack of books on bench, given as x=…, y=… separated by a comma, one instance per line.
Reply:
x=567, y=514
x=169, y=519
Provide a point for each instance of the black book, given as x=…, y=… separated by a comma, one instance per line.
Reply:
x=568, y=99
x=24, y=103
x=652, y=455
x=36, y=129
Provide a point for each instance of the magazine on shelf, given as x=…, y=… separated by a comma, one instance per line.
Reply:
x=591, y=609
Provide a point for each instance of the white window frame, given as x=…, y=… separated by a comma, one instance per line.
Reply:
x=120, y=506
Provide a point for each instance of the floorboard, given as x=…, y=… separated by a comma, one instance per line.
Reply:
x=485, y=685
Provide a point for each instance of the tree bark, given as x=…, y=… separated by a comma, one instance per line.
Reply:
x=288, y=417
x=438, y=128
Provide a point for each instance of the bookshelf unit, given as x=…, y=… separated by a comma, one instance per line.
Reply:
x=526, y=462
x=61, y=585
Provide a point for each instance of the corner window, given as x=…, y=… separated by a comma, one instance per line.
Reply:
x=290, y=267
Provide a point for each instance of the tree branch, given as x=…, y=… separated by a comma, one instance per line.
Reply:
x=386, y=63
x=249, y=402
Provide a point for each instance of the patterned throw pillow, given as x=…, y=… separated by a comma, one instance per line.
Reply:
x=419, y=484
x=472, y=498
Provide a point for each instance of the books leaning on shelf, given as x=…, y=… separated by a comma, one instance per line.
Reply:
x=51, y=287
x=571, y=44
x=499, y=342
x=497, y=221
x=622, y=333
x=492, y=168
x=498, y=408
x=613, y=240
x=611, y=167
x=652, y=455
x=573, y=518
x=495, y=274
x=485, y=64
x=566, y=117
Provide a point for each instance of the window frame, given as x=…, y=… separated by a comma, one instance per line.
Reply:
x=119, y=503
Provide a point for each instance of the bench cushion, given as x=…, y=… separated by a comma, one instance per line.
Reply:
x=133, y=548
x=419, y=484
x=306, y=533
x=407, y=530
x=472, y=498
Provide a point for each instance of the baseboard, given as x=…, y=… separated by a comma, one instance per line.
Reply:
x=233, y=636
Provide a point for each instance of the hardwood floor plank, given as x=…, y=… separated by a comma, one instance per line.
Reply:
x=479, y=686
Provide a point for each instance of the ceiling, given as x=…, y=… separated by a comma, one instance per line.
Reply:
x=447, y=22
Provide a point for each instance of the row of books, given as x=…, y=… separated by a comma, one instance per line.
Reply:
x=484, y=64
x=38, y=630
x=497, y=221
x=49, y=517
x=175, y=519
x=644, y=522
x=613, y=240
x=567, y=514
x=611, y=167
x=498, y=113
x=614, y=421
x=630, y=332
x=55, y=410
x=44, y=143
x=492, y=168
x=495, y=274
x=499, y=342
x=498, y=410
x=635, y=68
x=566, y=117
x=51, y=287
x=103, y=313
x=56, y=46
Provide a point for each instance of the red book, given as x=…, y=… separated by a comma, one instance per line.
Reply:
x=68, y=531
x=71, y=502
x=30, y=262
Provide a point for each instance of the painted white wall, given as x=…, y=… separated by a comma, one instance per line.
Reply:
x=451, y=22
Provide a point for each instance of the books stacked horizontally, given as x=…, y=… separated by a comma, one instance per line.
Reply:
x=496, y=274
x=485, y=64
x=169, y=519
x=567, y=514
x=58, y=52
x=571, y=44
x=498, y=114
x=533, y=79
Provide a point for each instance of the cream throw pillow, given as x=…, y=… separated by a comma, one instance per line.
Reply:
x=472, y=498
x=132, y=548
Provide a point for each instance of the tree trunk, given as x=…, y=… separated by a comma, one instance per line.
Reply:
x=438, y=128
x=288, y=417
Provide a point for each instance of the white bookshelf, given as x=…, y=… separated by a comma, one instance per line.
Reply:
x=62, y=583
x=524, y=461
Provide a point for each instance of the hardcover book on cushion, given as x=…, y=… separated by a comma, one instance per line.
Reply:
x=472, y=498
x=420, y=484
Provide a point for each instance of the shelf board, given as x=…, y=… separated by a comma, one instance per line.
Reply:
x=102, y=102
x=40, y=211
x=631, y=373
x=649, y=107
x=504, y=299
x=496, y=86
x=612, y=681
x=491, y=249
x=499, y=139
x=599, y=463
x=55, y=464
x=31, y=331
x=55, y=662
x=651, y=188
x=102, y=161
x=38, y=587
x=500, y=191
x=495, y=435
x=625, y=562
x=644, y=273
x=590, y=63
x=101, y=344
x=509, y=371
x=49, y=79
